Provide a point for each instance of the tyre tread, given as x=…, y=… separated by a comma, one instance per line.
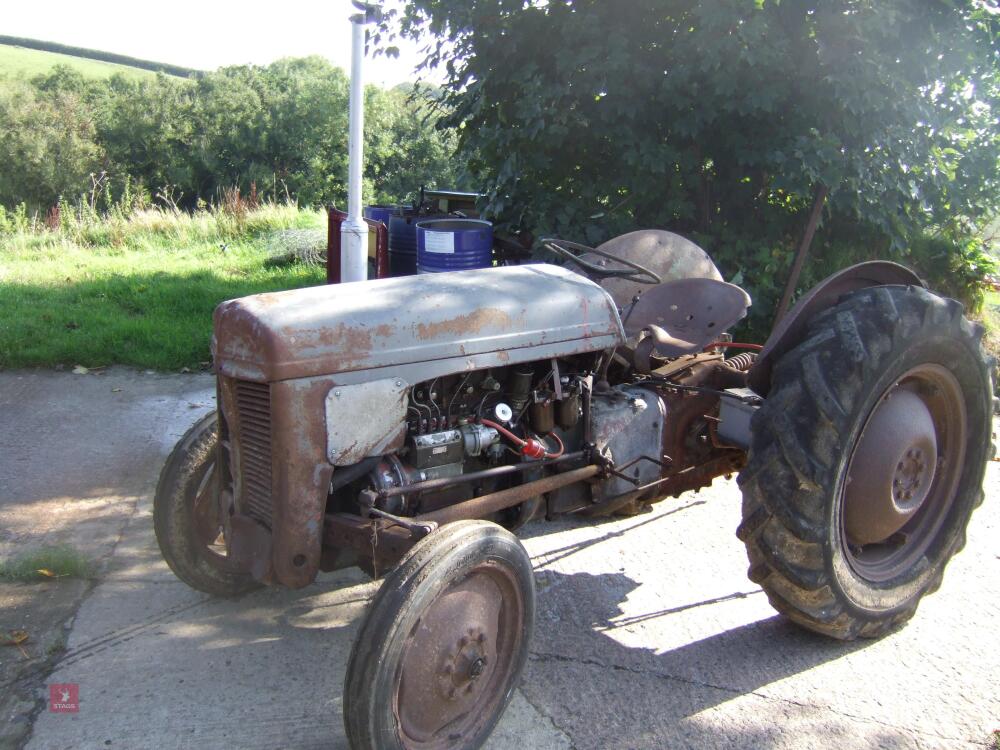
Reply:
x=795, y=451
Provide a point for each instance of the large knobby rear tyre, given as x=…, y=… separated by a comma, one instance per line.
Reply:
x=867, y=460
x=444, y=643
x=186, y=515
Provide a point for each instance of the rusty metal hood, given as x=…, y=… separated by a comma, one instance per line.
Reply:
x=390, y=322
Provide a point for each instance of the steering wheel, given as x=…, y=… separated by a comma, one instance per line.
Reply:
x=634, y=272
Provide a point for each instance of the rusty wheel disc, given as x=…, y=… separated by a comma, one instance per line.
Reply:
x=206, y=523
x=904, y=473
x=458, y=661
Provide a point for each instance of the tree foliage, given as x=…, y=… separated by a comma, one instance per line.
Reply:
x=719, y=118
x=46, y=144
x=280, y=128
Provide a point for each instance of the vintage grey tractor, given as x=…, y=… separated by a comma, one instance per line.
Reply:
x=408, y=425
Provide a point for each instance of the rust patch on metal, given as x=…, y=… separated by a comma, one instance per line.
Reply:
x=354, y=341
x=485, y=505
x=343, y=531
x=251, y=547
x=462, y=325
x=301, y=476
x=268, y=299
x=358, y=341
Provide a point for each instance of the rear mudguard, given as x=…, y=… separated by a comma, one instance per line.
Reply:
x=791, y=329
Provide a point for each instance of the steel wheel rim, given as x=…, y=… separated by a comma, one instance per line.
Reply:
x=941, y=395
x=209, y=532
x=459, y=658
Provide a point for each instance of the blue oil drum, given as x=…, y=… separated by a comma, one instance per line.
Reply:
x=379, y=213
x=403, y=241
x=454, y=245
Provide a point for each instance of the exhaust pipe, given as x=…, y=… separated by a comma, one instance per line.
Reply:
x=354, y=230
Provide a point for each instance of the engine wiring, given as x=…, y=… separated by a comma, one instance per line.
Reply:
x=429, y=392
x=419, y=406
x=458, y=393
x=534, y=447
x=482, y=403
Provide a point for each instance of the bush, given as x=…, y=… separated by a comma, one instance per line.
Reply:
x=276, y=132
x=957, y=268
x=48, y=142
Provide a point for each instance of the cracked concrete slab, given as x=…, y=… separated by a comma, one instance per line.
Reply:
x=654, y=613
x=648, y=636
x=76, y=454
x=162, y=666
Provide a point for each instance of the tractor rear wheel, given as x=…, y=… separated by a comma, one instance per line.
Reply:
x=867, y=460
x=444, y=643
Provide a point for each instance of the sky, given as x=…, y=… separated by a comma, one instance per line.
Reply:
x=205, y=34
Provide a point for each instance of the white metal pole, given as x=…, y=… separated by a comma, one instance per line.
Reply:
x=354, y=231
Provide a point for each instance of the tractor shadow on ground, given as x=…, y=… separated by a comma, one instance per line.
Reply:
x=639, y=697
x=611, y=530
x=681, y=658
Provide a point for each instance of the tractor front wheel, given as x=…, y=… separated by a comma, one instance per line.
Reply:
x=867, y=460
x=186, y=515
x=444, y=643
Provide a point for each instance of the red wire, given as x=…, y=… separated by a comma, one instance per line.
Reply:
x=505, y=432
x=521, y=442
x=562, y=448
x=734, y=345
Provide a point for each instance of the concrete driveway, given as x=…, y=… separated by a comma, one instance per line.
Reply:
x=648, y=633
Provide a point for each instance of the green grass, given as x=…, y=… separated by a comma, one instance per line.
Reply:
x=61, y=561
x=26, y=63
x=137, y=291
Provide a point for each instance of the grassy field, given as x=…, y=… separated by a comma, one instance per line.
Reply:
x=140, y=290
x=138, y=287
x=21, y=62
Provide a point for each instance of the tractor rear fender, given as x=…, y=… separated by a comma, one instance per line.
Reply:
x=791, y=329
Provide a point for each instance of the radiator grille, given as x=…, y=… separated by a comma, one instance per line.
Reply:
x=253, y=404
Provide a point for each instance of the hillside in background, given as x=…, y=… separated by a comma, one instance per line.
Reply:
x=30, y=57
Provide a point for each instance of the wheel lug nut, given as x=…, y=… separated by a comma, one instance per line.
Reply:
x=477, y=667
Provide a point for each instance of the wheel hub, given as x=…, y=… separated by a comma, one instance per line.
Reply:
x=909, y=483
x=456, y=658
x=464, y=664
x=893, y=468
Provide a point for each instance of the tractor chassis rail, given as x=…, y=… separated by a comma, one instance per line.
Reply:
x=475, y=476
x=380, y=543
